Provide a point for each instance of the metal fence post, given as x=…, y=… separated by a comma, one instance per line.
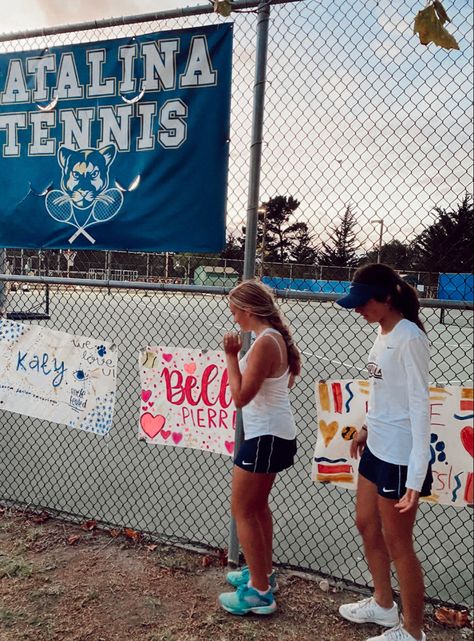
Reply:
x=3, y=285
x=263, y=13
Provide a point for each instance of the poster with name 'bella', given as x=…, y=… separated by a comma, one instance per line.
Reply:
x=185, y=399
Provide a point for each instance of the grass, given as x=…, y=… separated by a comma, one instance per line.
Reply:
x=14, y=567
x=9, y=617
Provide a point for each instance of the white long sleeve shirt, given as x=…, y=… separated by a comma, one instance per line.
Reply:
x=398, y=417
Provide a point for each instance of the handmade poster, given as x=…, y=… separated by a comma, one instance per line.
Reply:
x=120, y=144
x=57, y=377
x=185, y=399
x=341, y=409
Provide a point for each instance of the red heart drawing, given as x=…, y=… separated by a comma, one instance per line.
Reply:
x=167, y=357
x=146, y=393
x=152, y=425
x=467, y=439
x=229, y=446
x=177, y=436
x=190, y=368
x=165, y=434
x=151, y=403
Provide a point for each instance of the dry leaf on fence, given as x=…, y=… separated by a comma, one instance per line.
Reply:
x=152, y=547
x=89, y=525
x=114, y=533
x=207, y=560
x=429, y=27
x=223, y=7
x=40, y=518
x=453, y=618
x=223, y=559
x=131, y=534
x=74, y=538
x=441, y=11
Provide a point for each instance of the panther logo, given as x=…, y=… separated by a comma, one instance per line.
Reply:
x=85, y=198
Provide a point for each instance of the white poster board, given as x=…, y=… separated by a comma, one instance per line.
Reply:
x=57, y=377
x=341, y=409
x=185, y=399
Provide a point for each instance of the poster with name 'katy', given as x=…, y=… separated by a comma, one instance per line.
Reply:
x=57, y=377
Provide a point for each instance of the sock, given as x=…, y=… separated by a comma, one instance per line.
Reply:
x=262, y=593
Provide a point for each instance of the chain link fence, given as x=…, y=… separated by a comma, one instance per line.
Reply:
x=369, y=133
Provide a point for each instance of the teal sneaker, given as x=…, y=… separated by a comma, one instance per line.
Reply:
x=242, y=577
x=246, y=600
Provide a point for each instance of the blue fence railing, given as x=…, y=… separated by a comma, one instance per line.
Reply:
x=308, y=285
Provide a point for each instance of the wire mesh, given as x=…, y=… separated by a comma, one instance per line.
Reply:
x=363, y=128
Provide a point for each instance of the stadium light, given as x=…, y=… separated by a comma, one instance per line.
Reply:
x=379, y=222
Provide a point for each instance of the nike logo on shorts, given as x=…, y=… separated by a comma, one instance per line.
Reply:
x=245, y=463
x=385, y=490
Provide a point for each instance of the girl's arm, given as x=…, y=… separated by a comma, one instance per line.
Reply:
x=260, y=364
x=416, y=361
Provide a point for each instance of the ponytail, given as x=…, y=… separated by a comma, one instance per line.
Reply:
x=294, y=356
x=405, y=299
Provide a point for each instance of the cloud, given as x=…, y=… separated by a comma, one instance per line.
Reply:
x=31, y=14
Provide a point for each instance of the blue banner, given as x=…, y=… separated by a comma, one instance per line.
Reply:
x=121, y=144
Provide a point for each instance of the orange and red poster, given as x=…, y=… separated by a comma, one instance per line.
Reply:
x=342, y=406
x=185, y=399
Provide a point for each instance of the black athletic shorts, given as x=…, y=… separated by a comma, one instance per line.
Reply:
x=266, y=454
x=390, y=479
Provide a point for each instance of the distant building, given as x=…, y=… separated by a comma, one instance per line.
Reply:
x=215, y=276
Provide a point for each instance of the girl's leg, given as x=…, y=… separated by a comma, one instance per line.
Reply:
x=369, y=524
x=253, y=519
x=266, y=524
x=398, y=534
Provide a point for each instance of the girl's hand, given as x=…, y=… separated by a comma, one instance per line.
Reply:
x=358, y=442
x=409, y=501
x=232, y=343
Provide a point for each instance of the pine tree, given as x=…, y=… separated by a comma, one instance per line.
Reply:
x=447, y=245
x=341, y=249
x=278, y=240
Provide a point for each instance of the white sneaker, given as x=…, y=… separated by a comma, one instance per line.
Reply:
x=369, y=611
x=397, y=634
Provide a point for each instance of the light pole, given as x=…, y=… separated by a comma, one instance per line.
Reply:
x=379, y=222
x=262, y=211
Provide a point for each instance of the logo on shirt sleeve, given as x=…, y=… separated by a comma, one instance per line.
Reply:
x=375, y=371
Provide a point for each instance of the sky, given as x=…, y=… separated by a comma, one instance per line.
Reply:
x=32, y=14
x=357, y=111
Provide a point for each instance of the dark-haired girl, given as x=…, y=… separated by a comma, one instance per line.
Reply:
x=259, y=384
x=394, y=468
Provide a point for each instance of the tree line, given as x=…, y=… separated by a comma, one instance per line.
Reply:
x=446, y=245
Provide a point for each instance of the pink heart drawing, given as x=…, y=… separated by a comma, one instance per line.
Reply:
x=152, y=425
x=190, y=368
x=168, y=357
x=467, y=439
x=146, y=393
x=229, y=446
x=177, y=437
x=165, y=434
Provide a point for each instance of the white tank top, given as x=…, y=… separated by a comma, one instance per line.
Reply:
x=269, y=412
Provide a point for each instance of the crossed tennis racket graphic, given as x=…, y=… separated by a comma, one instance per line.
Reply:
x=85, y=198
